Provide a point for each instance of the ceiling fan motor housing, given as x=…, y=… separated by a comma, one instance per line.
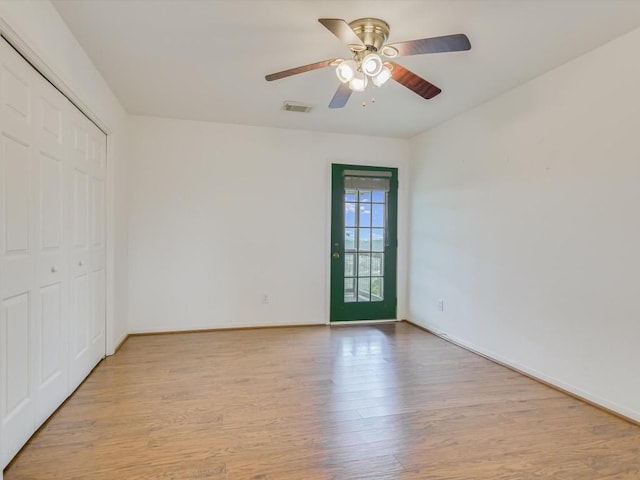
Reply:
x=372, y=31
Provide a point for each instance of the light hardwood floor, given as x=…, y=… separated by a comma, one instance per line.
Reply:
x=369, y=402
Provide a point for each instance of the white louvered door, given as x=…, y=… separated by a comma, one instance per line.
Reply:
x=52, y=249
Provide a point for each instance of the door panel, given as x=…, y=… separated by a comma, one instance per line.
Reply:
x=51, y=372
x=96, y=168
x=50, y=329
x=51, y=122
x=81, y=211
x=51, y=203
x=17, y=348
x=97, y=224
x=16, y=195
x=50, y=333
x=80, y=358
x=18, y=291
x=98, y=303
x=88, y=249
x=97, y=230
x=17, y=404
x=16, y=97
x=363, y=245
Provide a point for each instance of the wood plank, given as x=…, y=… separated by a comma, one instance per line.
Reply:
x=385, y=402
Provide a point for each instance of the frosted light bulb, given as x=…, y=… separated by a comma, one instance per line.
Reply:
x=382, y=77
x=372, y=64
x=346, y=70
x=359, y=82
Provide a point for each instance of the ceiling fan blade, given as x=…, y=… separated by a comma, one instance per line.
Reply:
x=302, y=69
x=447, y=43
x=343, y=31
x=413, y=82
x=341, y=96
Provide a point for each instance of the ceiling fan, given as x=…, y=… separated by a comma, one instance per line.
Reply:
x=366, y=39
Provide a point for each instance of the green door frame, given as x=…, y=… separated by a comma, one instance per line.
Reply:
x=379, y=310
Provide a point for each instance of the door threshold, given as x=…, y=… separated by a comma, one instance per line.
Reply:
x=361, y=322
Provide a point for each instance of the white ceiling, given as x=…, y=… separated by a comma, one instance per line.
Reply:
x=206, y=59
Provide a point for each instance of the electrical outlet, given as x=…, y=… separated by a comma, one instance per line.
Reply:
x=441, y=305
x=265, y=298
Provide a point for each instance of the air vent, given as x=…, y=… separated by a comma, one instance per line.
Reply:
x=296, y=107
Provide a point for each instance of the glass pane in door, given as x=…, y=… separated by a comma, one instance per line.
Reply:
x=364, y=245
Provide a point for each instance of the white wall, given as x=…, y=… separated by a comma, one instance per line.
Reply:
x=38, y=25
x=221, y=214
x=525, y=222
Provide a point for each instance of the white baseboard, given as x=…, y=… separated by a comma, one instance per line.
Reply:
x=201, y=328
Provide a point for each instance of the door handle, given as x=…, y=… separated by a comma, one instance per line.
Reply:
x=336, y=253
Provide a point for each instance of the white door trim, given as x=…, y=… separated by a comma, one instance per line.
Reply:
x=48, y=71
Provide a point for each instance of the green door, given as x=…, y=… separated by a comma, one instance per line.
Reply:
x=364, y=204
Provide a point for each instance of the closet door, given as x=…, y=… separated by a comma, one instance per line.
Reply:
x=50, y=333
x=81, y=358
x=18, y=253
x=86, y=198
x=97, y=251
x=52, y=249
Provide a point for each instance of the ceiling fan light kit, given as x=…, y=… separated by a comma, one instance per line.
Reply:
x=366, y=37
x=359, y=82
x=346, y=70
x=372, y=64
x=384, y=75
x=389, y=51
